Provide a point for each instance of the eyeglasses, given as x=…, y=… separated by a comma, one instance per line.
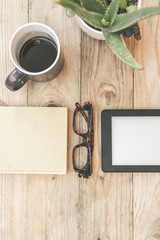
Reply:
x=88, y=138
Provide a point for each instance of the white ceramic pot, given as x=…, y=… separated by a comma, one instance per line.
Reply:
x=91, y=31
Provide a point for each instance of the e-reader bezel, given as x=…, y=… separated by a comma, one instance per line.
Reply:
x=106, y=140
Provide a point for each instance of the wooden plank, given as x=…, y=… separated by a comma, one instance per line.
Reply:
x=13, y=14
x=146, y=191
x=146, y=188
x=57, y=213
x=146, y=87
x=105, y=199
x=12, y=187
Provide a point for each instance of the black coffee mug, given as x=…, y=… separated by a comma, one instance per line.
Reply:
x=23, y=36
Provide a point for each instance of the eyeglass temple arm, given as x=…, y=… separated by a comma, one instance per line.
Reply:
x=91, y=119
x=86, y=171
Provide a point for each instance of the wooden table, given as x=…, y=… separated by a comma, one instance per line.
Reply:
x=122, y=206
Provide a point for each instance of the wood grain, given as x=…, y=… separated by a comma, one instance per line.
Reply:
x=108, y=197
x=60, y=212
x=146, y=82
x=12, y=187
x=146, y=190
x=122, y=206
x=13, y=14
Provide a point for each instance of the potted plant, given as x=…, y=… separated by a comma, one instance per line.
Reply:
x=97, y=33
x=113, y=18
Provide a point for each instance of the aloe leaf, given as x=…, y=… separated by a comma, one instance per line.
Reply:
x=116, y=43
x=126, y=20
x=94, y=6
x=91, y=18
x=112, y=10
x=104, y=2
x=70, y=12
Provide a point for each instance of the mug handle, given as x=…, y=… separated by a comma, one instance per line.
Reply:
x=16, y=80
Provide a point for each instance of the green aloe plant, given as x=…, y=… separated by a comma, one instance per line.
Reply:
x=113, y=18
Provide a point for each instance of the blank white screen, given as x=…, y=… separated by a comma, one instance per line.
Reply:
x=136, y=140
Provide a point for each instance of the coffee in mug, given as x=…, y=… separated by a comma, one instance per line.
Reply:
x=35, y=51
x=37, y=54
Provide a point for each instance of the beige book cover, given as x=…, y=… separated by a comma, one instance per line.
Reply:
x=33, y=140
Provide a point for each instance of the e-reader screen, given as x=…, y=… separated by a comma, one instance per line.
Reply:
x=131, y=140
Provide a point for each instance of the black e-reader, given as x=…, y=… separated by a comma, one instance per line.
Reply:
x=130, y=140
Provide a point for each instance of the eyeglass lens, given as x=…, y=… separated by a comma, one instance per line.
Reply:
x=80, y=122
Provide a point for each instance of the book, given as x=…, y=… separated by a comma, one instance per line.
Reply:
x=33, y=140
